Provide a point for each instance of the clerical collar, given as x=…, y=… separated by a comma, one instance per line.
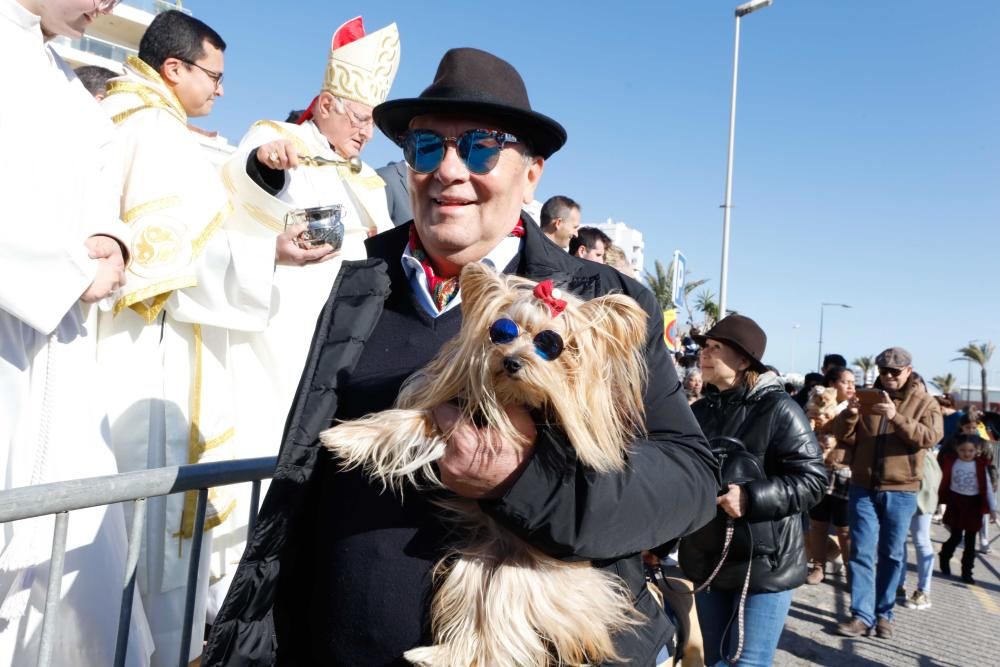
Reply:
x=439, y=295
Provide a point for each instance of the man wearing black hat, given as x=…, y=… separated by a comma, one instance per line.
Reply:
x=889, y=440
x=339, y=572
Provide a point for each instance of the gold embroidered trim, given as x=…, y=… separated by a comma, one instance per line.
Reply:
x=261, y=216
x=143, y=69
x=199, y=243
x=153, y=290
x=217, y=441
x=194, y=434
x=227, y=180
x=300, y=145
x=197, y=449
x=370, y=182
x=149, y=207
x=151, y=312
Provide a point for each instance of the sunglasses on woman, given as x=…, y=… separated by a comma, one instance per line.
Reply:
x=424, y=150
x=548, y=344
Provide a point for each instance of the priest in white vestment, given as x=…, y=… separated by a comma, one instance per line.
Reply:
x=62, y=248
x=267, y=178
x=196, y=273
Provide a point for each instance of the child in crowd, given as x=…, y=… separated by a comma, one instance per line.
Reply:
x=967, y=489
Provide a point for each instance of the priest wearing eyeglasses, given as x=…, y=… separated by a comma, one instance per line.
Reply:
x=284, y=167
x=339, y=571
x=197, y=273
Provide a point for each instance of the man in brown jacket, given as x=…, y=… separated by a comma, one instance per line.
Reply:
x=890, y=438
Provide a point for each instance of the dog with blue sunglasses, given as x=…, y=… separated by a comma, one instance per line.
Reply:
x=579, y=366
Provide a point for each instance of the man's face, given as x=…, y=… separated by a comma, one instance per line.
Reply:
x=347, y=131
x=461, y=216
x=893, y=379
x=595, y=254
x=67, y=17
x=566, y=228
x=197, y=85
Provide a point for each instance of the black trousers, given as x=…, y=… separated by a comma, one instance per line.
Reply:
x=969, y=552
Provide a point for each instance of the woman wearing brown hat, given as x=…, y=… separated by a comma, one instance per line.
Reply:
x=744, y=401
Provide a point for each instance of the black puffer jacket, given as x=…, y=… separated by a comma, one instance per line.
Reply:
x=778, y=433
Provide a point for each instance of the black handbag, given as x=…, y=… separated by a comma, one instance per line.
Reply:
x=738, y=539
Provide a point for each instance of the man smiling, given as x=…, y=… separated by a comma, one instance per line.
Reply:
x=340, y=572
x=889, y=443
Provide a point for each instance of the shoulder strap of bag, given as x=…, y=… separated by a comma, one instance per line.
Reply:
x=730, y=531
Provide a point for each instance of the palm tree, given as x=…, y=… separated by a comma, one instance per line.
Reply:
x=945, y=383
x=662, y=285
x=979, y=354
x=866, y=364
x=708, y=307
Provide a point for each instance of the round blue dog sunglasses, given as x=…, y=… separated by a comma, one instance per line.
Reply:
x=424, y=150
x=548, y=344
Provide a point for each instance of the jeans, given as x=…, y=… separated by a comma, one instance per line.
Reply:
x=920, y=533
x=879, y=523
x=764, y=619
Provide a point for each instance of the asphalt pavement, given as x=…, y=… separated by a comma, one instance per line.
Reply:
x=961, y=629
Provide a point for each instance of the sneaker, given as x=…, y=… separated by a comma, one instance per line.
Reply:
x=900, y=595
x=967, y=579
x=883, y=628
x=815, y=575
x=920, y=600
x=984, y=547
x=854, y=628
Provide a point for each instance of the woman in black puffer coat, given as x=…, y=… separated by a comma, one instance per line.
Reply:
x=743, y=400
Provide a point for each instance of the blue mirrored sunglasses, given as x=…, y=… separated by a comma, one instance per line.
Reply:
x=548, y=344
x=424, y=150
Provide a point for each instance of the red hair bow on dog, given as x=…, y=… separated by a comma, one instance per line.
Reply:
x=546, y=294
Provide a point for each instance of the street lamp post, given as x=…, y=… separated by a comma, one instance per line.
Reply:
x=741, y=11
x=819, y=355
x=795, y=338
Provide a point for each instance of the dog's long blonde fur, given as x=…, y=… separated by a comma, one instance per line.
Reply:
x=500, y=602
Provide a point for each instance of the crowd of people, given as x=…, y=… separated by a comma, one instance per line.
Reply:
x=173, y=313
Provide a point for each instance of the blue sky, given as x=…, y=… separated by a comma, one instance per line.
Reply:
x=867, y=143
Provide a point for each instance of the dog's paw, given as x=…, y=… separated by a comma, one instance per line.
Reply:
x=429, y=656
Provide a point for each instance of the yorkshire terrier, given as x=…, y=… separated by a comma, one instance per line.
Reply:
x=578, y=366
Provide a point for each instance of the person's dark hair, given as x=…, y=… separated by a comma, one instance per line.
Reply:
x=945, y=401
x=294, y=115
x=833, y=375
x=588, y=236
x=556, y=207
x=970, y=418
x=95, y=78
x=174, y=34
x=835, y=359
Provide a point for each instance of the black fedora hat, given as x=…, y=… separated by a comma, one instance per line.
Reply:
x=741, y=333
x=474, y=82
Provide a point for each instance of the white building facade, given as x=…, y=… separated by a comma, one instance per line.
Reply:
x=626, y=238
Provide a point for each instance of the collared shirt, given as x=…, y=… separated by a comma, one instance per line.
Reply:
x=499, y=258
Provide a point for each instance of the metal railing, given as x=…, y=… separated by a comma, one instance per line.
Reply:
x=60, y=498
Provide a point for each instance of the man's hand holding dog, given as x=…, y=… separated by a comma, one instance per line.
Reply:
x=475, y=463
